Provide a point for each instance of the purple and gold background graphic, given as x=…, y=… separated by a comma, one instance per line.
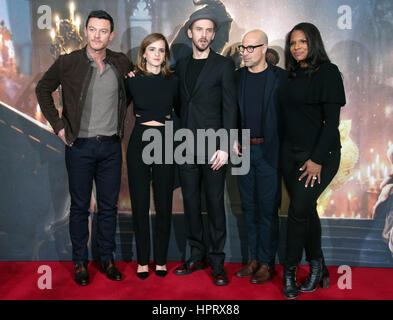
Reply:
x=357, y=207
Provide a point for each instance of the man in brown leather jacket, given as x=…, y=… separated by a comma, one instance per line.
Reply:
x=91, y=126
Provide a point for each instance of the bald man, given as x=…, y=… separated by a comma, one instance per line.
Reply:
x=260, y=189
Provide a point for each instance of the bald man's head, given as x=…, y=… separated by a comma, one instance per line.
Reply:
x=258, y=35
x=255, y=41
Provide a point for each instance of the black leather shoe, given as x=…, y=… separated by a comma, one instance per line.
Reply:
x=291, y=290
x=190, y=267
x=81, y=274
x=111, y=270
x=220, y=278
x=318, y=275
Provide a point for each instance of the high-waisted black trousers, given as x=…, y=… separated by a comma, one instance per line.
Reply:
x=139, y=176
x=304, y=226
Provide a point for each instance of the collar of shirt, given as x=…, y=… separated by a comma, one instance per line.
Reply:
x=93, y=63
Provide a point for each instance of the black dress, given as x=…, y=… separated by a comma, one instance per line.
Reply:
x=154, y=98
x=310, y=112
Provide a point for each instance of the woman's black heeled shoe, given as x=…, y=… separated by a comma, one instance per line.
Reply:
x=325, y=276
x=161, y=273
x=291, y=290
x=319, y=274
x=142, y=275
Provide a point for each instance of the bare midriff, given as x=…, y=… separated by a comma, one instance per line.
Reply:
x=153, y=122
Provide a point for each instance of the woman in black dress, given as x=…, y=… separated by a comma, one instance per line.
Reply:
x=154, y=91
x=311, y=100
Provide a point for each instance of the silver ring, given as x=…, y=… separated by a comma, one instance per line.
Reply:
x=314, y=178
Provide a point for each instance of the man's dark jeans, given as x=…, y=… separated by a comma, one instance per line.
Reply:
x=88, y=160
x=260, y=191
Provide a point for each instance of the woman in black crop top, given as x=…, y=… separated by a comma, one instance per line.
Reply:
x=310, y=102
x=154, y=93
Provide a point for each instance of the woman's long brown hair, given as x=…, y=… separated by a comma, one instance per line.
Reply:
x=141, y=65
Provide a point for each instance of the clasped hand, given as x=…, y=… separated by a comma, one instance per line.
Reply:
x=313, y=172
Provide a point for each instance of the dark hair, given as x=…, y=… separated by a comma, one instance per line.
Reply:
x=100, y=14
x=316, y=50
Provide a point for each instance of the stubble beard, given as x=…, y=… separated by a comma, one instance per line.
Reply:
x=200, y=49
x=98, y=47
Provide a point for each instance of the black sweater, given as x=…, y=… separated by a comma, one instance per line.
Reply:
x=310, y=108
x=154, y=96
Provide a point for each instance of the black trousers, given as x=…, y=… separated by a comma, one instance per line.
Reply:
x=191, y=178
x=304, y=226
x=139, y=176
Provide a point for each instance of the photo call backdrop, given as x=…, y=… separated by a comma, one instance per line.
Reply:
x=356, y=210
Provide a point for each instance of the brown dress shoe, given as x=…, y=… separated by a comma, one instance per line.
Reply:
x=248, y=270
x=263, y=275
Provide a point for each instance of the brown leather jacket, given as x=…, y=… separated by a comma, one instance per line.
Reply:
x=73, y=72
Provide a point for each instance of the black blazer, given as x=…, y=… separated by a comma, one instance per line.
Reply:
x=213, y=102
x=270, y=114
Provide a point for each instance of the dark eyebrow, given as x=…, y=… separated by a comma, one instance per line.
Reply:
x=104, y=29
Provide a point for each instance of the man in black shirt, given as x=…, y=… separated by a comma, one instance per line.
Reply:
x=207, y=101
x=260, y=189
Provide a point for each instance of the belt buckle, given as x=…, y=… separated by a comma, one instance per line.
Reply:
x=99, y=138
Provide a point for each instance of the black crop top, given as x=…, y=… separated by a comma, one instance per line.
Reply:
x=154, y=96
x=310, y=108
